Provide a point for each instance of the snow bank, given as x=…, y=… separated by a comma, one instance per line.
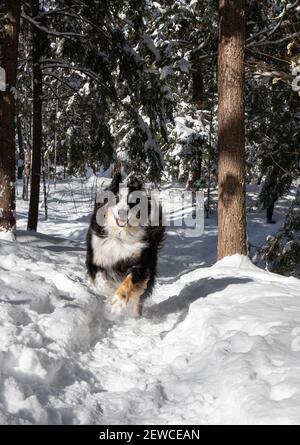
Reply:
x=238, y=348
x=216, y=345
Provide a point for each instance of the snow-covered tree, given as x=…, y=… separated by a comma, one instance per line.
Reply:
x=9, y=38
x=97, y=69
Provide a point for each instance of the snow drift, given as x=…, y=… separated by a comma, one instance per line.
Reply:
x=215, y=345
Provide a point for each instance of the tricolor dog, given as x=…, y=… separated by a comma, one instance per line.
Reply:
x=122, y=246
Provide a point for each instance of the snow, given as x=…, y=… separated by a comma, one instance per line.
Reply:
x=218, y=344
x=166, y=71
x=184, y=65
x=8, y=235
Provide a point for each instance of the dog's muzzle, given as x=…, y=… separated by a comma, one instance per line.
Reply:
x=122, y=217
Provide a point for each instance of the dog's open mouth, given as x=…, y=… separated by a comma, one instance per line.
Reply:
x=121, y=222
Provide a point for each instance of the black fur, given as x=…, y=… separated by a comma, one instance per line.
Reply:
x=142, y=267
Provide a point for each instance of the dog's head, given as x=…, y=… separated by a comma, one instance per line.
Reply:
x=124, y=204
x=127, y=195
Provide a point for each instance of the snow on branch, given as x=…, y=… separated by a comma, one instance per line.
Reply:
x=50, y=31
x=276, y=42
x=50, y=64
x=76, y=17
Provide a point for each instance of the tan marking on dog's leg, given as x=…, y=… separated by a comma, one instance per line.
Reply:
x=127, y=290
x=123, y=291
x=136, y=294
x=139, y=288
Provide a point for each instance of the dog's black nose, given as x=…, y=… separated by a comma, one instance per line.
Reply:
x=122, y=213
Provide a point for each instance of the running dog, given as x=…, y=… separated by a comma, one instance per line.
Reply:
x=122, y=250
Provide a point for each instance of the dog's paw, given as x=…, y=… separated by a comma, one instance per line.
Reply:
x=118, y=305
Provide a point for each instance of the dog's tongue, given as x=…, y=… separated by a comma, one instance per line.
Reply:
x=122, y=222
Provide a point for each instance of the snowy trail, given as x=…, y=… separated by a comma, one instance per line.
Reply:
x=216, y=344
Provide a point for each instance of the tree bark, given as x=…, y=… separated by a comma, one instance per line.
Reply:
x=21, y=149
x=231, y=73
x=26, y=174
x=37, y=91
x=7, y=116
x=45, y=185
x=195, y=171
x=197, y=99
x=27, y=156
x=207, y=207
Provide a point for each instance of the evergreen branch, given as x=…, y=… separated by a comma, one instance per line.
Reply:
x=76, y=17
x=269, y=31
x=51, y=12
x=59, y=79
x=281, y=168
x=276, y=42
x=266, y=30
x=88, y=72
x=50, y=31
x=268, y=55
x=71, y=123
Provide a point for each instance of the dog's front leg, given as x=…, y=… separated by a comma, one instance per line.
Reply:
x=121, y=297
x=129, y=289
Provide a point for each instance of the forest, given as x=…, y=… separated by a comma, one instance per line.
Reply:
x=190, y=95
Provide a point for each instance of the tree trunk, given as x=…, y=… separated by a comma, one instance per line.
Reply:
x=231, y=72
x=270, y=211
x=27, y=157
x=36, y=124
x=26, y=175
x=195, y=172
x=44, y=173
x=7, y=116
x=207, y=206
x=21, y=149
x=197, y=90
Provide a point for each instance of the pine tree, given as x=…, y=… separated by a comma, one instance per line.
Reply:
x=231, y=192
x=97, y=66
x=272, y=106
x=9, y=37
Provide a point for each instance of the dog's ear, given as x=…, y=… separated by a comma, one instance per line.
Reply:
x=116, y=181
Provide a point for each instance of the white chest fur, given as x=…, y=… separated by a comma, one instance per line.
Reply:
x=117, y=246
